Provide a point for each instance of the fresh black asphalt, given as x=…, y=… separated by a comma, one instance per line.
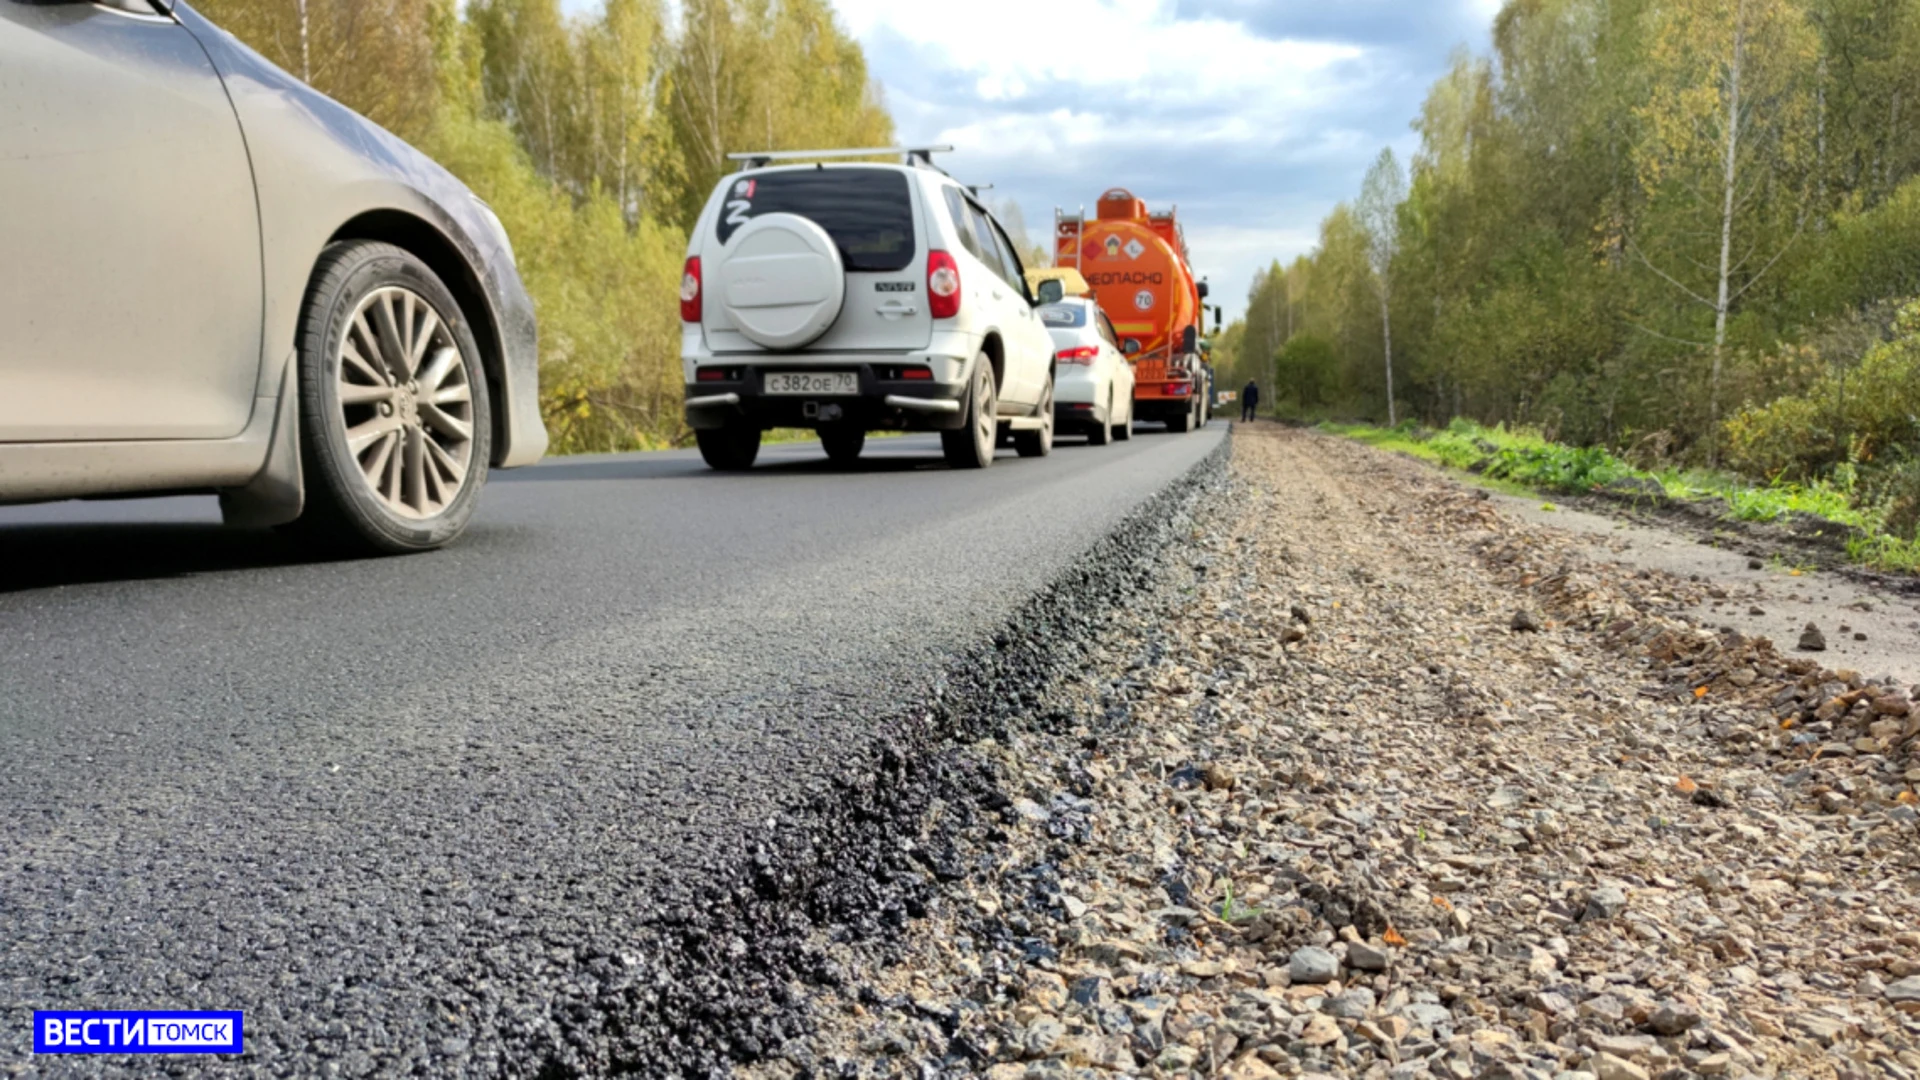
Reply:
x=400, y=811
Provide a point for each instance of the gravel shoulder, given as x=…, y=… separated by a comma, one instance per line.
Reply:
x=1866, y=622
x=1383, y=780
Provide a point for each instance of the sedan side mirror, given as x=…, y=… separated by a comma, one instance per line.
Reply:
x=1051, y=291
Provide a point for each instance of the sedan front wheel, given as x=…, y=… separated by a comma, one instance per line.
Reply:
x=395, y=425
x=1038, y=442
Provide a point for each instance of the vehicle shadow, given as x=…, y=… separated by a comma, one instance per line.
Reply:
x=690, y=467
x=607, y=467
x=46, y=555
x=893, y=464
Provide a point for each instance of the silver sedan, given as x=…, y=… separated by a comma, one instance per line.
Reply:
x=215, y=279
x=1093, y=379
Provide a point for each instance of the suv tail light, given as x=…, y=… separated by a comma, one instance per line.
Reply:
x=690, y=291
x=1084, y=354
x=943, y=285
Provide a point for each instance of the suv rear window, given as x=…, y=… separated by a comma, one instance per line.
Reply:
x=868, y=212
x=1063, y=315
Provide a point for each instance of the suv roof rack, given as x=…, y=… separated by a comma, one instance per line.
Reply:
x=915, y=155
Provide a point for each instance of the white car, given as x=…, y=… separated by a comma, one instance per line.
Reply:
x=1093, y=384
x=851, y=298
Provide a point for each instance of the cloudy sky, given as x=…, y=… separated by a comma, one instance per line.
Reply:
x=1254, y=116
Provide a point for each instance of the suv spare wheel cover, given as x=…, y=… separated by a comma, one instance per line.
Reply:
x=782, y=281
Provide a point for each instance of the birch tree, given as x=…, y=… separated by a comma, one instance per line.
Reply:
x=1266, y=326
x=374, y=56
x=755, y=75
x=1724, y=161
x=625, y=77
x=1381, y=194
x=531, y=79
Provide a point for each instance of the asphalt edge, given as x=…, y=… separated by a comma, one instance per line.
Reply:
x=720, y=979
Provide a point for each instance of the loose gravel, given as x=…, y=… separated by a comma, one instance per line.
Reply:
x=1376, y=780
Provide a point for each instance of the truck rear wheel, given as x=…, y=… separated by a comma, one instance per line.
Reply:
x=1183, y=423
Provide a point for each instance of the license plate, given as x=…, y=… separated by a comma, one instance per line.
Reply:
x=808, y=383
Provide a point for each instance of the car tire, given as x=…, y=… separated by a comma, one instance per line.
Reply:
x=1102, y=431
x=843, y=443
x=1038, y=442
x=396, y=422
x=731, y=448
x=1124, y=430
x=972, y=445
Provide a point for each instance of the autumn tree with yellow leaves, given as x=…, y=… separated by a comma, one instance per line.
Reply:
x=1727, y=161
x=1629, y=223
x=596, y=137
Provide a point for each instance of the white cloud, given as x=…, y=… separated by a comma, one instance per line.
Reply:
x=1255, y=117
x=1134, y=50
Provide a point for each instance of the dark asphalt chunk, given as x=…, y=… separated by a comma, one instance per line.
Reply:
x=485, y=811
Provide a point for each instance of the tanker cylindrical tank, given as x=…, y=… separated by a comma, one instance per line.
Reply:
x=1135, y=264
x=1140, y=281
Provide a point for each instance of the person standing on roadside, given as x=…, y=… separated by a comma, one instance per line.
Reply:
x=1249, y=398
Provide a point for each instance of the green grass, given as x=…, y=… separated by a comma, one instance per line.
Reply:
x=1443, y=453
x=1884, y=552
x=1232, y=911
x=1520, y=461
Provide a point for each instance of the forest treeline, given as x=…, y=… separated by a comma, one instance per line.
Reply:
x=1678, y=227
x=596, y=138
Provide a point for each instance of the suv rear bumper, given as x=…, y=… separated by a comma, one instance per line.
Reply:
x=883, y=403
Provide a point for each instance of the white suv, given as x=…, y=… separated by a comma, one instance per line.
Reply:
x=851, y=298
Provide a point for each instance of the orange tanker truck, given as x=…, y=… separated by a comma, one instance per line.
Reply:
x=1136, y=264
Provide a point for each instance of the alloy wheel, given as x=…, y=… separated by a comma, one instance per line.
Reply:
x=406, y=399
x=987, y=422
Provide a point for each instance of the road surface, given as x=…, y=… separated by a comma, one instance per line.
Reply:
x=385, y=806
